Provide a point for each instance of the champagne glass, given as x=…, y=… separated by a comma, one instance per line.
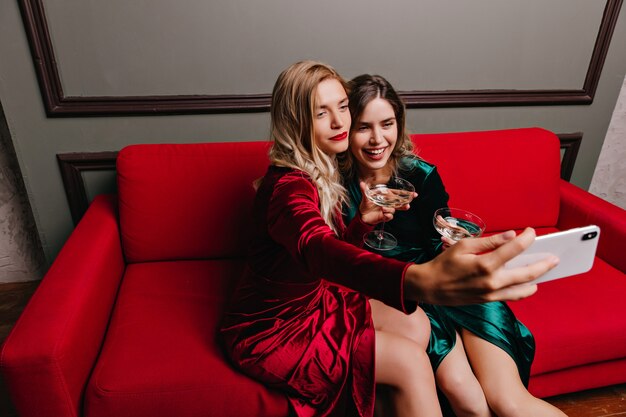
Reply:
x=457, y=224
x=395, y=193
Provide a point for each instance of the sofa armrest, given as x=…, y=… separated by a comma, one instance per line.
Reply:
x=580, y=208
x=47, y=358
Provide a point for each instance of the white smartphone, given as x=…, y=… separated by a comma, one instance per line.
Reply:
x=575, y=248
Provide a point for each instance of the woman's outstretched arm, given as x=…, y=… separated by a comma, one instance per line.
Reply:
x=472, y=272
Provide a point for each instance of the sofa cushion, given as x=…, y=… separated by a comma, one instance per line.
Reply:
x=187, y=201
x=571, y=327
x=161, y=358
x=512, y=192
x=579, y=378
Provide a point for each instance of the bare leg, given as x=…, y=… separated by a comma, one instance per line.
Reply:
x=403, y=364
x=414, y=326
x=501, y=383
x=457, y=381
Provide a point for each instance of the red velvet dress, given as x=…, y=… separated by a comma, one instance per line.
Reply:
x=296, y=322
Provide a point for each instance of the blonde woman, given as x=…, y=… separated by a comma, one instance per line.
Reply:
x=300, y=320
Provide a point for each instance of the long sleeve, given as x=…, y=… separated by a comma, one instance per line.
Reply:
x=433, y=196
x=355, y=230
x=294, y=222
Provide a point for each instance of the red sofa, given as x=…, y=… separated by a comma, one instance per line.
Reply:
x=123, y=323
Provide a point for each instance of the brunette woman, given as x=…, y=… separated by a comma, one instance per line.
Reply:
x=481, y=353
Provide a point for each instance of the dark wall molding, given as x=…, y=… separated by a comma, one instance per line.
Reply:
x=571, y=143
x=57, y=104
x=72, y=166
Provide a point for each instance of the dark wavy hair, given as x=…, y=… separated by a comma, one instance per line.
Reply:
x=362, y=90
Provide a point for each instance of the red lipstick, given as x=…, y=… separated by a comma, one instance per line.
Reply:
x=340, y=136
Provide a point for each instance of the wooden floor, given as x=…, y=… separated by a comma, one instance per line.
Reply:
x=13, y=298
x=602, y=402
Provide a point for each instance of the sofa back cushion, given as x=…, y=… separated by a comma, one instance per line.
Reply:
x=508, y=177
x=187, y=201
x=193, y=201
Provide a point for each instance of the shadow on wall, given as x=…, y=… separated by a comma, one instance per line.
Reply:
x=21, y=253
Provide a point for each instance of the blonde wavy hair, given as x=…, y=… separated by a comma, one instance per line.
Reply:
x=292, y=131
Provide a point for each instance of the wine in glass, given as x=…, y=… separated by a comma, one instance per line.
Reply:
x=457, y=224
x=395, y=193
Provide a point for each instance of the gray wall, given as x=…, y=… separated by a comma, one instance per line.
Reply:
x=21, y=257
x=158, y=47
x=609, y=179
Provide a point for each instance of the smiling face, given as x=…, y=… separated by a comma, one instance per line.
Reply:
x=374, y=138
x=331, y=117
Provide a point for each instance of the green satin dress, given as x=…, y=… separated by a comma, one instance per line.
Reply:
x=419, y=242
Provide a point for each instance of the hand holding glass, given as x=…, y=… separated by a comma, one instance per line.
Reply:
x=396, y=193
x=457, y=224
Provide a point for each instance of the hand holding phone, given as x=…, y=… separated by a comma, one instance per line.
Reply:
x=575, y=248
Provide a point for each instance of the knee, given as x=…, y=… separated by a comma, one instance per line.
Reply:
x=510, y=401
x=509, y=405
x=454, y=382
x=468, y=408
x=465, y=395
x=411, y=362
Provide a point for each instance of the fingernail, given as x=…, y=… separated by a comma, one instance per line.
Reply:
x=508, y=235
